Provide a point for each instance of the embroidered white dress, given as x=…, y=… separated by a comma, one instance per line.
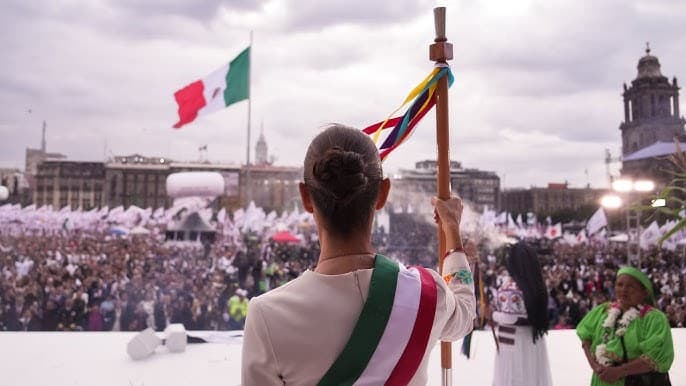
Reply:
x=519, y=361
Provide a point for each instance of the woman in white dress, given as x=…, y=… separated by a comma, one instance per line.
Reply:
x=359, y=318
x=521, y=316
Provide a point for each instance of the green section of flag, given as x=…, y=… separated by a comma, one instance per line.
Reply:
x=238, y=79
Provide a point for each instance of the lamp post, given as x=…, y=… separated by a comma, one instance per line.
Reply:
x=626, y=188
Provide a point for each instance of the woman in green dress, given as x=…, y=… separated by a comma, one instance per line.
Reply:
x=627, y=337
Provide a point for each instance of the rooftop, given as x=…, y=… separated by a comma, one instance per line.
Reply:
x=655, y=150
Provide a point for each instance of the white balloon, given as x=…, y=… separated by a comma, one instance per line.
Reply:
x=195, y=184
x=4, y=193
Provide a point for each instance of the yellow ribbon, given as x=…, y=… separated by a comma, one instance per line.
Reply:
x=411, y=96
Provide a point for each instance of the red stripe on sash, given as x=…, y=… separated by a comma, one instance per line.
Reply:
x=409, y=362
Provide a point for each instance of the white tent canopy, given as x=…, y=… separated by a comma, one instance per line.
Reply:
x=619, y=238
x=139, y=230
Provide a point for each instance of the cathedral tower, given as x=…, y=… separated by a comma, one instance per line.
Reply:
x=651, y=108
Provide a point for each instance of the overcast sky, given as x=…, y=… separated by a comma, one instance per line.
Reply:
x=536, y=98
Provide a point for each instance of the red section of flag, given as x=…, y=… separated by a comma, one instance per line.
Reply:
x=190, y=99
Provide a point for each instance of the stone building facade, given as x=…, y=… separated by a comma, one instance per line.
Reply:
x=411, y=187
x=141, y=181
x=61, y=183
x=271, y=187
x=137, y=180
x=548, y=200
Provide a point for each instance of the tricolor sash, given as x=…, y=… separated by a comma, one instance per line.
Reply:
x=392, y=333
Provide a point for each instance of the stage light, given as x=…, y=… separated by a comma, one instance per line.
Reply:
x=644, y=186
x=622, y=185
x=611, y=201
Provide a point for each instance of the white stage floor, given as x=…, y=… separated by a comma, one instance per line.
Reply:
x=85, y=358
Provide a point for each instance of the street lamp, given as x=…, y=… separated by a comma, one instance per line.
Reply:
x=627, y=187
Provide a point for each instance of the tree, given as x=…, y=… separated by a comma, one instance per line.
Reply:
x=674, y=195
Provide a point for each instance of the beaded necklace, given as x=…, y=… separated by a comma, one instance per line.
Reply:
x=619, y=327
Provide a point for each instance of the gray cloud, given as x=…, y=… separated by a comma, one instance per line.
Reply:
x=201, y=10
x=570, y=47
x=128, y=19
x=307, y=15
x=536, y=98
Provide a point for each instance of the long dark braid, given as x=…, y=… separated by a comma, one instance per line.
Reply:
x=523, y=266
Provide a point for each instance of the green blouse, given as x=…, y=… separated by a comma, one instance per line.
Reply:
x=648, y=336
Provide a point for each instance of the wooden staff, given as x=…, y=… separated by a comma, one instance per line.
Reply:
x=441, y=51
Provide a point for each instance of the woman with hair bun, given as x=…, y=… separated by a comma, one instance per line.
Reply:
x=358, y=317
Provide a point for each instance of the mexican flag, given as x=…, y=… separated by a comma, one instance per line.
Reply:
x=225, y=86
x=554, y=231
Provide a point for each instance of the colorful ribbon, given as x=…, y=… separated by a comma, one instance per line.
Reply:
x=423, y=98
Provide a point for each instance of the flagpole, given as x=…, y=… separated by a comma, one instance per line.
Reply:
x=248, y=187
x=441, y=51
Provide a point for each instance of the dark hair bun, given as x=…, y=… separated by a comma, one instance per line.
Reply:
x=341, y=173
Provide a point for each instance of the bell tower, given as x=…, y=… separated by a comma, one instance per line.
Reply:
x=651, y=107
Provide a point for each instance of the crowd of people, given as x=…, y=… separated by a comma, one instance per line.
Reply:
x=580, y=277
x=589, y=275
x=96, y=281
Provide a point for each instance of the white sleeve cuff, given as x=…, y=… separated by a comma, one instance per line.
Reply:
x=455, y=262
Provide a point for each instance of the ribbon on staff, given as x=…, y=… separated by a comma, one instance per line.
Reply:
x=422, y=98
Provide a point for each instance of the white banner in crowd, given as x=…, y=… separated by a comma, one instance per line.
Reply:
x=120, y=221
x=597, y=221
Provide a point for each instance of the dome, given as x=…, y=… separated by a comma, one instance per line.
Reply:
x=649, y=66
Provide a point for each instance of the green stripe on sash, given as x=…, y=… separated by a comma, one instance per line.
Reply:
x=369, y=328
